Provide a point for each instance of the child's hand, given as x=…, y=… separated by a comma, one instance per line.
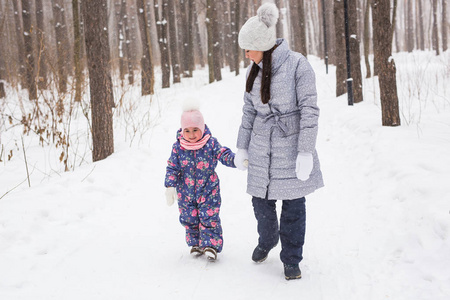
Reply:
x=171, y=195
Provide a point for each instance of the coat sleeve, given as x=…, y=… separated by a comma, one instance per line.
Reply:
x=224, y=154
x=248, y=117
x=173, y=168
x=307, y=105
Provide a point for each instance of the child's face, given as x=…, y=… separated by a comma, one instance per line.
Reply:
x=192, y=134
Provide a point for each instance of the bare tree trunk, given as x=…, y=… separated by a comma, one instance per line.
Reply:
x=302, y=28
x=41, y=59
x=191, y=30
x=218, y=44
x=119, y=6
x=198, y=40
x=341, y=68
x=221, y=22
x=355, y=54
x=244, y=18
x=209, y=30
x=217, y=62
x=147, y=72
x=280, y=28
x=20, y=43
x=180, y=15
x=435, y=35
x=186, y=36
x=294, y=20
x=174, y=55
x=331, y=36
x=394, y=21
x=183, y=29
x=97, y=50
x=77, y=50
x=61, y=47
x=235, y=30
x=161, y=26
x=2, y=53
x=409, y=27
x=387, y=78
x=227, y=33
x=444, y=25
x=298, y=26
x=319, y=27
x=421, y=40
x=134, y=43
x=128, y=39
x=28, y=42
x=367, y=37
x=376, y=43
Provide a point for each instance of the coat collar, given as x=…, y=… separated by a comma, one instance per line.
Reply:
x=279, y=55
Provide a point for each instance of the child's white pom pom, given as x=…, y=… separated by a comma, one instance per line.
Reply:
x=268, y=14
x=190, y=104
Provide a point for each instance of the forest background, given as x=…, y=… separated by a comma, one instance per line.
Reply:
x=60, y=59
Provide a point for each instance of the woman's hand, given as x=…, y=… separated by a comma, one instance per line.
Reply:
x=171, y=195
x=241, y=159
x=304, y=165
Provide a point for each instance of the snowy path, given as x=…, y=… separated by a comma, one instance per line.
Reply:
x=105, y=232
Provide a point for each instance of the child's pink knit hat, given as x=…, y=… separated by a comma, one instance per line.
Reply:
x=191, y=116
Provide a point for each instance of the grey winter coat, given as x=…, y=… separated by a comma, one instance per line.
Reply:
x=275, y=133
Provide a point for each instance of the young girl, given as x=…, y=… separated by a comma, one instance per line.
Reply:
x=192, y=180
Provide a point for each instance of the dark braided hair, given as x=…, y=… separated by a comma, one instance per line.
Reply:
x=266, y=76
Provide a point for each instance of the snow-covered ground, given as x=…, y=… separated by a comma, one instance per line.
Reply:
x=379, y=229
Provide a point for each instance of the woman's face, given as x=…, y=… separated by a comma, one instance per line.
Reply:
x=255, y=56
x=192, y=134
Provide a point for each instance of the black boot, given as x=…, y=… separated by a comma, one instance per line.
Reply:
x=292, y=272
x=260, y=254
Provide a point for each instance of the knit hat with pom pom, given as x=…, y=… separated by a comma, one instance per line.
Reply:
x=191, y=116
x=259, y=32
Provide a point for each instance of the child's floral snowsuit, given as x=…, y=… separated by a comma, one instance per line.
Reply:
x=193, y=174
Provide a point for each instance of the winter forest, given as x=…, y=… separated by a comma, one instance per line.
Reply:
x=90, y=95
x=52, y=51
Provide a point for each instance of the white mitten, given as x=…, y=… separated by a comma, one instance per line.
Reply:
x=304, y=165
x=171, y=195
x=241, y=159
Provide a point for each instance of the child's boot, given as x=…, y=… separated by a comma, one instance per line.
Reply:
x=211, y=253
x=196, y=250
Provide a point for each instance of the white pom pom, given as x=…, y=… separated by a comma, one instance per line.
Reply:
x=191, y=104
x=268, y=14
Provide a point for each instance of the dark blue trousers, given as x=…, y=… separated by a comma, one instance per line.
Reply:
x=291, y=230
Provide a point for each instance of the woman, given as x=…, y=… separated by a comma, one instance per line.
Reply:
x=277, y=136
